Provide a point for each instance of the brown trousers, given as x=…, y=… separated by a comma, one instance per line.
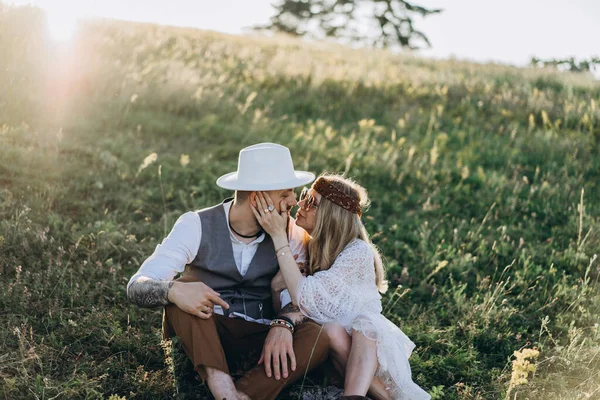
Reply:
x=234, y=345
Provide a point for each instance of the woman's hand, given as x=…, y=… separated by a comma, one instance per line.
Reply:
x=273, y=222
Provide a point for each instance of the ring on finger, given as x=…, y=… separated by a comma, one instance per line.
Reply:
x=270, y=208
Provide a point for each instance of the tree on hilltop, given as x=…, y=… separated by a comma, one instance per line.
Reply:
x=568, y=63
x=378, y=23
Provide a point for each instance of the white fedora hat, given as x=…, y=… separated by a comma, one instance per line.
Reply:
x=265, y=166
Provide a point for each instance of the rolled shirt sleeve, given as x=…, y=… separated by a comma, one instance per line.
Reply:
x=177, y=250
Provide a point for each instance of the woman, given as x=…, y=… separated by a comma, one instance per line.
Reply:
x=342, y=290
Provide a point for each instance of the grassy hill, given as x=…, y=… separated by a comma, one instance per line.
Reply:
x=484, y=181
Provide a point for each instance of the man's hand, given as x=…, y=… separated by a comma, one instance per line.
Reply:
x=195, y=298
x=278, y=347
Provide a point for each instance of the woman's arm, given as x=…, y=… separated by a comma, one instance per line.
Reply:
x=275, y=225
x=287, y=265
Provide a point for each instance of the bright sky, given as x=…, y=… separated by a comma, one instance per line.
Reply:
x=508, y=31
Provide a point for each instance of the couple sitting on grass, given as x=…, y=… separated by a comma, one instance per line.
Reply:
x=280, y=294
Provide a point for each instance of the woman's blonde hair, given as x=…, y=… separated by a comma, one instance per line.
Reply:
x=335, y=227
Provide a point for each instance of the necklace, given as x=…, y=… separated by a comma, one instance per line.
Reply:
x=257, y=234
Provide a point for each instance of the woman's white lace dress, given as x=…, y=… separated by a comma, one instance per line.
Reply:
x=347, y=293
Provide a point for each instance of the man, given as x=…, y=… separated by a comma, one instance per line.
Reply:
x=221, y=307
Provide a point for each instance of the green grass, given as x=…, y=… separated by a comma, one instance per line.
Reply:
x=484, y=181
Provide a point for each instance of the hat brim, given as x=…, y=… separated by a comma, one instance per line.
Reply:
x=230, y=181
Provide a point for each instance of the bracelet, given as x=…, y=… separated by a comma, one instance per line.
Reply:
x=283, y=323
x=283, y=317
x=283, y=253
x=282, y=247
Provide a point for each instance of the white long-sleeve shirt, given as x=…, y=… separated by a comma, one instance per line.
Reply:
x=180, y=247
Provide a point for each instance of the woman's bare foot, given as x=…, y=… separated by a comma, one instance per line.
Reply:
x=378, y=391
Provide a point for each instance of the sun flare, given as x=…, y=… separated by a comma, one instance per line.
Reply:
x=62, y=24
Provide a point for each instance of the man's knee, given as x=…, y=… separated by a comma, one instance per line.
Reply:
x=172, y=312
x=314, y=335
x=191, y=330
x=175, y=313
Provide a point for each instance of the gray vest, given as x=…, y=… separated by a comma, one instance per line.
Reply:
x=215, y=266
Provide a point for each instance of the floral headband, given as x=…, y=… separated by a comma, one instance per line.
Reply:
x=333, y=194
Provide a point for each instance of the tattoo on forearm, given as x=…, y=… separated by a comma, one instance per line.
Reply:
x=146, y=292
x=293, y=312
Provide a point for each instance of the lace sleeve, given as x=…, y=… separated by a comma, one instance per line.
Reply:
x=335, y=293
